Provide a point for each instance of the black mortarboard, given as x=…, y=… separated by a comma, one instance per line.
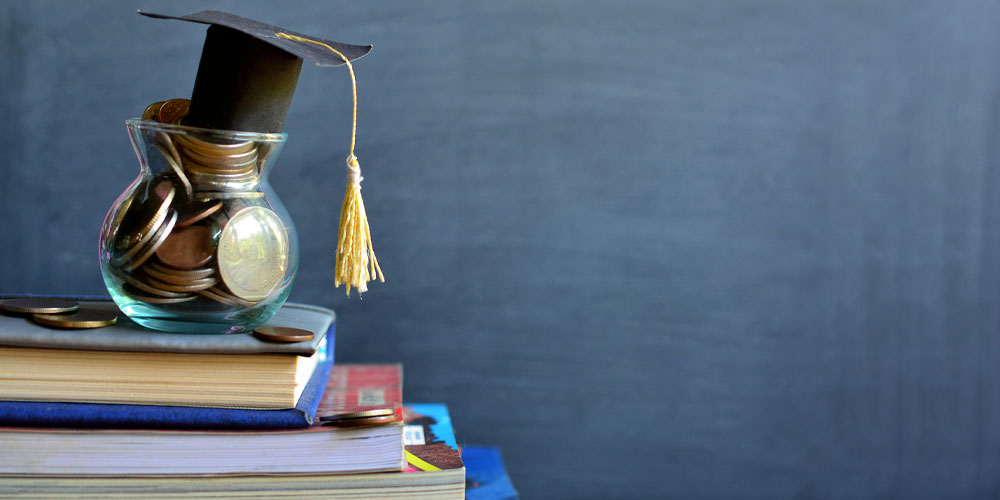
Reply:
x=247, y=74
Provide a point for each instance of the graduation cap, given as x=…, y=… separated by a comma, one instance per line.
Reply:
x=246, y=80
x=247, y=74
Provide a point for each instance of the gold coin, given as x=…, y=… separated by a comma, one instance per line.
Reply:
x=178, y=280
x=136, y=295
x=144, y=287
x=230, y=297
x=218, y=295
x=150, y=112
x=364, y=422
x=211, y=209
x=155, y=244
x=282, y=334
x=84, y=318
x=253, y=253
x=163, y=195
x=195, y=167
x=148, y=215
x=205, y=147
x=381, y=412
x=229, y=162
x=173, y=110
x=186, y=276
x=39, y=306
x=172, y=287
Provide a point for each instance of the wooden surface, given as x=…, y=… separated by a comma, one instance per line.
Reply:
x=652, y=249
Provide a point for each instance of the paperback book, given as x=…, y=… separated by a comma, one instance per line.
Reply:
x=433, y=471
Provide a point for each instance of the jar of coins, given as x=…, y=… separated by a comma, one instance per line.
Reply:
x=198, y=243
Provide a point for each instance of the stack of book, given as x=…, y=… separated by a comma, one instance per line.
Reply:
x=125, y=412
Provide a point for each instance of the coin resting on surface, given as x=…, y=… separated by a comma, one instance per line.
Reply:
x=186, y=249
x=253, y=253
x=282, y=334
x=380, y=412
x=84, y=318
x=39, y=306
x=363, y=422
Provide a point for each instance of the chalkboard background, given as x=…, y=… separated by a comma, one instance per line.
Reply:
x=660, y=249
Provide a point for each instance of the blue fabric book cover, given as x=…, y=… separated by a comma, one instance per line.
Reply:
x=121, y=416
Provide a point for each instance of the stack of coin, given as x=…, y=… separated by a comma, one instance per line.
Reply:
x=144, y=226
x=59, y=313
x=217, y=168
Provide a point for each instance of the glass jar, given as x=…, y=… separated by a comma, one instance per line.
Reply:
x=199, y=242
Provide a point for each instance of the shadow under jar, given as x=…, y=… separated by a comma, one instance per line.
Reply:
x=199, y=242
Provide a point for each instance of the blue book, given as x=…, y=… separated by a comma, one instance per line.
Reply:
x=19, y=335
x=485, y=475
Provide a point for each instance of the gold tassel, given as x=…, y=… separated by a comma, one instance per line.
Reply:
x=356, y=262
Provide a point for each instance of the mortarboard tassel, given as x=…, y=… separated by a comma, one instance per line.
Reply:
x=356, y=262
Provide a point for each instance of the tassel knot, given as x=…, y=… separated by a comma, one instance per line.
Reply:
x=356, y=262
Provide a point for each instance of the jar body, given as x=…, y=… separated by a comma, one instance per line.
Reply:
x=199, y=242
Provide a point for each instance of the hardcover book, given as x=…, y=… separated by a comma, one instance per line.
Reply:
x=127, y=364
x=123, y=416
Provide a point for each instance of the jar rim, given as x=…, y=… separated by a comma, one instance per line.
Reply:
x=223, y=134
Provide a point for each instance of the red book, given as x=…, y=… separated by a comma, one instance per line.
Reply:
x=356, y=388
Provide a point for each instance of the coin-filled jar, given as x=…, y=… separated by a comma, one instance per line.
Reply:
x=199, y=242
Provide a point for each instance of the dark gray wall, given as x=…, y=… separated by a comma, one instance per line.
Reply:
x=663, y=249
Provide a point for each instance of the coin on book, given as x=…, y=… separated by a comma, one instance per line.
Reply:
x=379, y=412
x=84, y=318
x=282, y=334
x=363, y=422
x=39, y=306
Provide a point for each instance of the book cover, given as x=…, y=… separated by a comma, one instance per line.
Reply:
x=126, y=335
x=429, y=438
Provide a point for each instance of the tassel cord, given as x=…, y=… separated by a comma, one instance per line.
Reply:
x=356, y=262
